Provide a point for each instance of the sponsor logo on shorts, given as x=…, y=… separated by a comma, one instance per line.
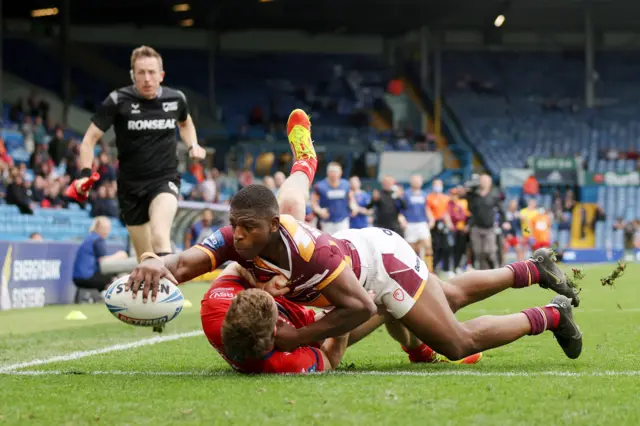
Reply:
x=173, y=187
x=170, y=106
x=398, y=295
x=157, y=124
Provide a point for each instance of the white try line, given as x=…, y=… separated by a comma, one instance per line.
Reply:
x=83, y=354
x=460, y=373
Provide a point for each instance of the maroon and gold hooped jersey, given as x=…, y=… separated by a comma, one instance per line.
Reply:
x=315, y=259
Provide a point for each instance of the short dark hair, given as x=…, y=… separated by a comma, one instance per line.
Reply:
x=248, y=327
x=258, y=198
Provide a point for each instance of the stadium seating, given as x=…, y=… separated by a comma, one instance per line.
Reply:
x=55, y=225
x=505, y=118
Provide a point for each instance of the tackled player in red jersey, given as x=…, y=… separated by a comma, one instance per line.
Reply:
x=307, y=359
x=268, y=244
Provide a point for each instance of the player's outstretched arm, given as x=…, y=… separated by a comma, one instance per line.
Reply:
x=178, y=268
x=333, y=350
x=353, y=306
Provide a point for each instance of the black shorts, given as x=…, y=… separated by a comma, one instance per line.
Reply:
x=136, y=197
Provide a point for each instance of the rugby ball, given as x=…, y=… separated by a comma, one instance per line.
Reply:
x=123, y=306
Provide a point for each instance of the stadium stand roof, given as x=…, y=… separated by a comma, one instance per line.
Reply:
x=346, y=16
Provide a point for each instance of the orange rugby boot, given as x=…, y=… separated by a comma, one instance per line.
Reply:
x=299, y=134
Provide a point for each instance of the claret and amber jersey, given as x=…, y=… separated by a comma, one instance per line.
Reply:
x=315, y=259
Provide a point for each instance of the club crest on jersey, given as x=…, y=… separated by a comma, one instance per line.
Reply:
x=398, y=295
x=170, y=106
x=135, y=108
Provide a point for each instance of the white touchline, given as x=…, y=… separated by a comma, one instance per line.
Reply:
x=83, y=354
x=461, y=373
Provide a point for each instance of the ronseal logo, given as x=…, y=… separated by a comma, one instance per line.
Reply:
x=151, y=124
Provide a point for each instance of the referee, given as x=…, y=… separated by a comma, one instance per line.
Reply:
x=144, y=116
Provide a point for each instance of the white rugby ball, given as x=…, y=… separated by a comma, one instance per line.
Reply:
x=167, y=306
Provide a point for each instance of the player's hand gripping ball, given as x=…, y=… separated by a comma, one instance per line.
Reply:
x=122, y=305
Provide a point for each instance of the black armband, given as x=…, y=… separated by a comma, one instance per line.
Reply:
x=85, y=173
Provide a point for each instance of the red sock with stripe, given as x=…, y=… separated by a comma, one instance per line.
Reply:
x=308, y=166
x=542, y=318
x=525, y=273
x=422, y=353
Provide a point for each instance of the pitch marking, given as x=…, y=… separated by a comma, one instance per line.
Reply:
x=83, y=354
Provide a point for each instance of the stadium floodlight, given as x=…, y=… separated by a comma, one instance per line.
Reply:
x=39, y=13
x=186, y=23
x=182, y=7
x=499, y=21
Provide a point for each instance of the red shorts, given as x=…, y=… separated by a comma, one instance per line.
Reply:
x=512, y=241
x=216, y=303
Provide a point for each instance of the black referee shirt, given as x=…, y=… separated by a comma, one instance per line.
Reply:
x=145, y=130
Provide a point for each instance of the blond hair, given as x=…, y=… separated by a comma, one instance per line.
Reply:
x=248, y=327
x=98, y=222
x=145, y=52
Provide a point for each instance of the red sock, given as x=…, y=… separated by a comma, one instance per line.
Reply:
x=542, y=318
x=422, y=353
x=307, y=166
x=525, y=273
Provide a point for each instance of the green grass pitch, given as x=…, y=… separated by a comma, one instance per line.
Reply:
x=100, y=371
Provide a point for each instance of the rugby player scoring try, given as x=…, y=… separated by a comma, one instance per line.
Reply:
x=338, y=271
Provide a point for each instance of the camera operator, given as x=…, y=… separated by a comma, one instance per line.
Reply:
x=388, y=204
x=483, y=204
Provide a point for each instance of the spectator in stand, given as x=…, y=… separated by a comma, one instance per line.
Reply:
x=72, y=158
x=17, y=194
x=200, y=230
x=54, y=199
x=40, y=132
x=103, y=205
x=531, y=187
x=360, y=214
x=39, y=189
x=106, y=170
x=39, y=158
x=35, y=236
x=5, y=158
x=57, y=146
x=636, y=236
x=27, y=133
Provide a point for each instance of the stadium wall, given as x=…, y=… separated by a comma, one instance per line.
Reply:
x=35, y=274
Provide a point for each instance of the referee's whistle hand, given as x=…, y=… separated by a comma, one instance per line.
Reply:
x=197, y=152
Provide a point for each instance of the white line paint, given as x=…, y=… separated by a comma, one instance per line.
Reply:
x=83, y=354
x=461, y=373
